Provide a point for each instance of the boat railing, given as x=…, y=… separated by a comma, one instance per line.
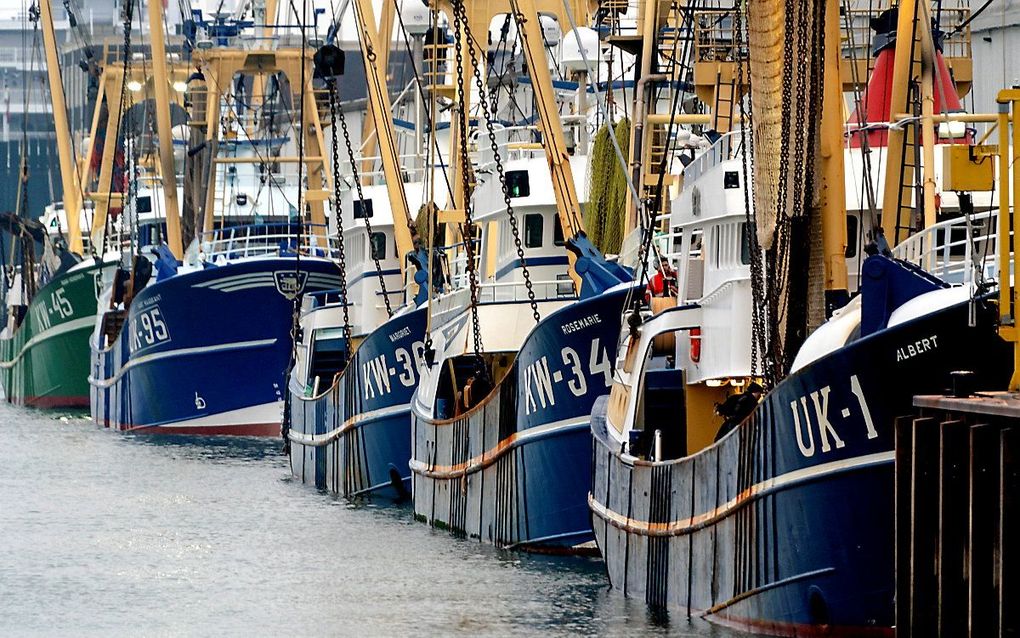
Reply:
x=958, y=251
x=507, y=291
x=410, y=169
x=857, y=34
x=261, y=240
x=514, y=291
x=723, y=149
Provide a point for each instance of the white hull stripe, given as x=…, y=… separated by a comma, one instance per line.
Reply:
x=319, y=440
x=81, y=323
x=228, y=281
x=783, y=481
x=262, y=413
x=183, y=352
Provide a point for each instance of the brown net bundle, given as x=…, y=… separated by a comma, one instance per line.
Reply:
x=785, y=42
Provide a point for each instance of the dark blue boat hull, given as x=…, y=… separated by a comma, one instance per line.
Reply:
x=355, y=438
x=514, y=470
x=204, y=352
x=786, y=526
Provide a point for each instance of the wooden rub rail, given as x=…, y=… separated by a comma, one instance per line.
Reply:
x=957, y=520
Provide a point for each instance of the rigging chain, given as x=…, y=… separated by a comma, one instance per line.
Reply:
x=759, y=331
x=460, y=14
x=331, y=88
x=459, y=28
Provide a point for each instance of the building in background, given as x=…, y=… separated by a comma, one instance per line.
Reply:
x=995, y=38
x=27, y=111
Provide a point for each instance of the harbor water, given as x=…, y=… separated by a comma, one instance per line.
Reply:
x=111, y=534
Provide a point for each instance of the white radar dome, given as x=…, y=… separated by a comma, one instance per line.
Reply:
x=551, y=32
x=577, y=41
x=415, y=16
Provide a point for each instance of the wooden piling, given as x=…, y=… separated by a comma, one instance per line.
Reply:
x=957, y=526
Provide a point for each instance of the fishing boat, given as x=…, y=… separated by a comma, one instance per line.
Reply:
x=500, y=441
x=50, y=298
x=779, y=519
x=203, y=347
x=362, y=346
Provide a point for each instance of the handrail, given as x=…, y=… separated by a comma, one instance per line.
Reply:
x=955, y=250
x=259, y=240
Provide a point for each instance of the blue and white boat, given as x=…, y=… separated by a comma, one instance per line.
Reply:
x=785, y=524
x=204, y=346
x=501, y=442
x=206, y=351
x=780, y=521
x=349, y=422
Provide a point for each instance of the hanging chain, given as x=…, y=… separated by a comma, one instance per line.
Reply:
x=331, y=87
x=759, y=330
x=338, y=114
x=459, y=28
x=460, y=15
x=799, y=133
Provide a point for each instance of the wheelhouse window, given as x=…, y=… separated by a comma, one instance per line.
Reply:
x=518, y=183
x=558, y=232
x=851, y=236
x=377, y=245
x=362, y=210
x=533, y=228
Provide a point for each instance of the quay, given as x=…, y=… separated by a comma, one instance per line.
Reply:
x=957, y=521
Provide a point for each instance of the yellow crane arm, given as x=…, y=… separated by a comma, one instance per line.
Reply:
x=68, y=170
x=567, y=202
x=380, y=108
x=161, y=86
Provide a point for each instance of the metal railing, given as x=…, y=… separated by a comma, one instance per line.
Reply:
x=512, y=291
x=261, y=240
x=724, y=149
x=958, y=251
x=857, y=36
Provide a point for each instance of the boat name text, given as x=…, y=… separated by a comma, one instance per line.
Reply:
x=918, y=347
x=148, y=329
x=378, y=373
x=400, y=334
x=581, y=324
x=541, y=381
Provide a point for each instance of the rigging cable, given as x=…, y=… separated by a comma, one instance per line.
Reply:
x=295, y=329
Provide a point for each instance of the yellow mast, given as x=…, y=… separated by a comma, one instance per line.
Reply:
x=1009, y=195
x=647, y=26
x=912, y=27
x=111, y=85
x=68, y=171
x=161, y=87
x=568, y=205
x=380, y=108
x=382, y=61
x=833, y=197
x=897, y=144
